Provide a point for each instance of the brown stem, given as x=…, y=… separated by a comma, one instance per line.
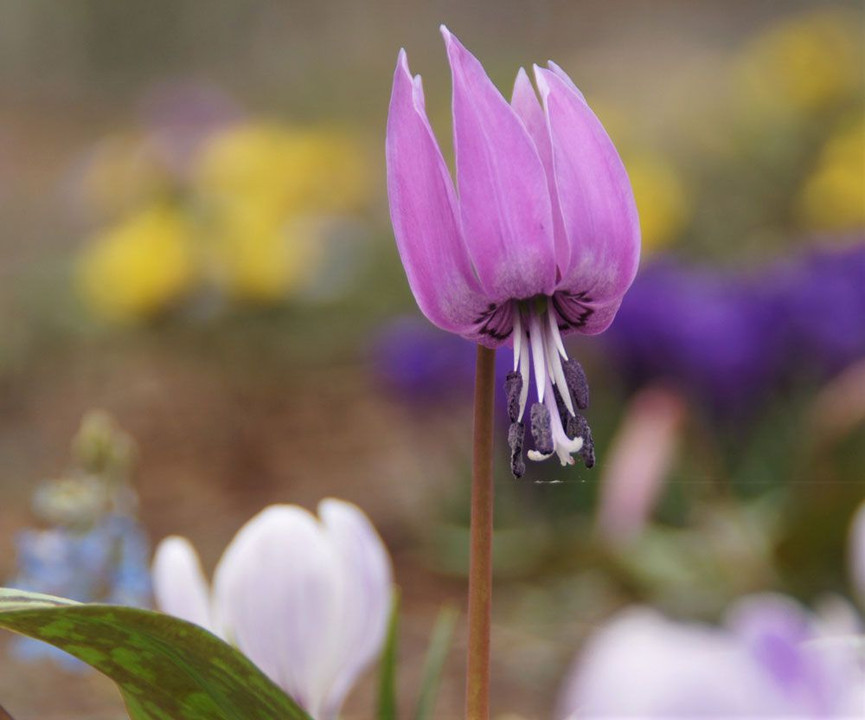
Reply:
x=481, y=568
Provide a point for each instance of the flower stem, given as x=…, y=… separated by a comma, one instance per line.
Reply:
x=481, y=568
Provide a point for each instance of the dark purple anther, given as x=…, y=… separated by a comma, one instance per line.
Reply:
x=542, y=431
x=513, y=389
x=577, y=383
x=516, y=436
x=579, y=427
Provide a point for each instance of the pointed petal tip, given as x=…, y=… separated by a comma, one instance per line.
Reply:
x=402, y=62
x=452, y=43
x=540, y=80
x=556, y=71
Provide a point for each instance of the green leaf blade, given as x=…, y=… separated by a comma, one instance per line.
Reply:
x=166, y=668
x=436, y=656
x=387, y=701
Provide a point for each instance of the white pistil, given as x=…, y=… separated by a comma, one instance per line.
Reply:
x=538, y=359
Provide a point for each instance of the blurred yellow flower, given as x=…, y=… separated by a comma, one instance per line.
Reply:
x=833, y=198
x=803, y=64
x=256, y=255
x=661, y=198
x=138, y=268
x=243, y=218
x=288, y=170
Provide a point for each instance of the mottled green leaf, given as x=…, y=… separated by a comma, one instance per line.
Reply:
x=166, y=669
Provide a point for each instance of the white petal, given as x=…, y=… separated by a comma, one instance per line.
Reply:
x=179, y=585
x=366, y=596
x=276, y=588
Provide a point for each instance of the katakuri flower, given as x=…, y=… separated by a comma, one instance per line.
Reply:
x=539, y=239
x=306, y=600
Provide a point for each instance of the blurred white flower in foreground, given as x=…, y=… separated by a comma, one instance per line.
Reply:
x=770, y=658
x=305, y=599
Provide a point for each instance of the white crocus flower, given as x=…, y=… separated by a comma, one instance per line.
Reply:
x=306, y=599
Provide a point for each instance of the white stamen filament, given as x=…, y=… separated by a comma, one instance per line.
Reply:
x=524, y=371
x=518, y=338
x=554, y=332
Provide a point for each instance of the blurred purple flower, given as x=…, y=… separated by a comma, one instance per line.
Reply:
x=822, y=297
x=772, y=659
x=416, y=362
x=727, y=339
x=539, y=239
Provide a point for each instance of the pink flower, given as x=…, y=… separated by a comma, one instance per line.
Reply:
x=539, y=238
x=640, y=457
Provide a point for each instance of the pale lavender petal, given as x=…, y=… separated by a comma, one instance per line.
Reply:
x=773, y=629
x=778, y=633
x=527, y=106
x=504, y=200
x=179, y=586
x=596, y=200
x=366, y=596
x=424, y=213
x=642, y=665
x=277, y=588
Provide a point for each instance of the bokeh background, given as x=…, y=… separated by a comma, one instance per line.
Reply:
x=194, y=237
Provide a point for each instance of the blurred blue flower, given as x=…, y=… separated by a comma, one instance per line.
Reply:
x=107, y=563
x=91, y=547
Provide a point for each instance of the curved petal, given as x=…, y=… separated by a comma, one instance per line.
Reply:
x=597, y=202
x=366, y=596
x=276, y=588
x=179, y=586
x=504, y=200
x=526, y=105
x=423, y=211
